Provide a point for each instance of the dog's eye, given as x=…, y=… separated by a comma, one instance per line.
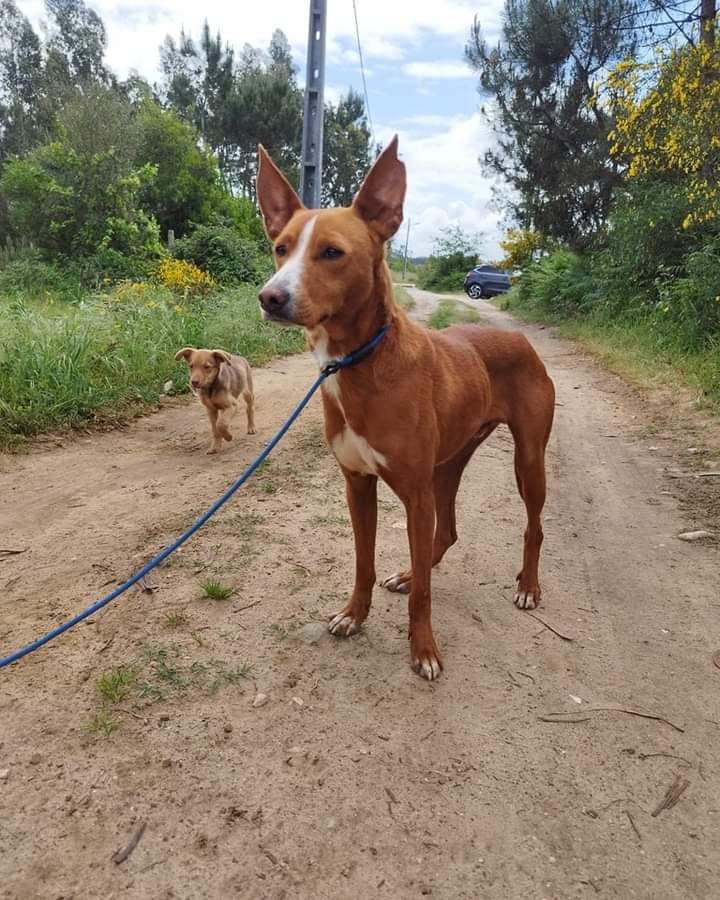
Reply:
x=333, y=253
x=281, y=250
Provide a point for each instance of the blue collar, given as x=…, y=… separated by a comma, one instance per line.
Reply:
x=335, y=365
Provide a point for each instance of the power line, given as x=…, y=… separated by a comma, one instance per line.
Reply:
x=362, y=72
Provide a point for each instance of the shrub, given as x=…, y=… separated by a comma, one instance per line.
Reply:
x=453, y=256
x=228, y=256
x=27, y=274
x=184, y=278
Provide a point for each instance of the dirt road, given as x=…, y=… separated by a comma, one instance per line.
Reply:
x=353, y=777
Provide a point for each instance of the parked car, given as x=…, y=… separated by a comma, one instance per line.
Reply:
x=486, y=281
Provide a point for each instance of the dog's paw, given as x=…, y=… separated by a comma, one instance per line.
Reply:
x=343, y=625
x=428, y=665
x=425, y=657
x=211, y=451
x=399, y=583
x=527, y=599
x=252, y=431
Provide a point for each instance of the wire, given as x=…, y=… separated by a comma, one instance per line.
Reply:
x=362, y=72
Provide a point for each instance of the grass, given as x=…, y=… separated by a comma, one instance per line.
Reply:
x=452, y=312
x=648, y=349
x=106, y=358
x=176, y=620
x=103, y=722
x=403, y=298
x=214, y=590
x=160, y=672
x=116, y=684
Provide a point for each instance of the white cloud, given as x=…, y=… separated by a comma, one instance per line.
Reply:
x=439, y=69
x=446, y=185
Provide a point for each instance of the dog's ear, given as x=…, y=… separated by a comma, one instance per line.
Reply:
x=185, y=353
x=379, y=202
x=276, y=197
x=222, y=356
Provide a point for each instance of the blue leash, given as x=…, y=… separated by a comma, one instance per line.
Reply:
x=329, y=369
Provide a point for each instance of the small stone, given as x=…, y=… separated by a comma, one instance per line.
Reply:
x=166, y=763
x=228, y=728
x=164, y=718
x=4, y=774
x=313, y=632
x=260, y=700
x=695, y=535
x=168, y=387
x=298, y=701
x=35, y=759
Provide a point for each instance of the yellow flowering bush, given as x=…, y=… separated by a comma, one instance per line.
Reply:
x=667, y=122
x=184, y=278
x=133, y=291
x=521, y=246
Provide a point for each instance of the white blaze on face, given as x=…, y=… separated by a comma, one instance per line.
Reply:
x=289, y=276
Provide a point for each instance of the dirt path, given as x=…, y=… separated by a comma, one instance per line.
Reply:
x=356, y=778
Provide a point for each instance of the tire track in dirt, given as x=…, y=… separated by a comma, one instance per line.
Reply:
x=378, y=784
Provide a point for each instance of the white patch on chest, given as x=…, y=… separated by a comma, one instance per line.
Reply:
x=289, y=276
x=353, y=451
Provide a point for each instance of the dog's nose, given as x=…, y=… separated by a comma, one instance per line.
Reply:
x=273, y=299
x=195, y=382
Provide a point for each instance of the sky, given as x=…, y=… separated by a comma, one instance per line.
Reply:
x=419, y=86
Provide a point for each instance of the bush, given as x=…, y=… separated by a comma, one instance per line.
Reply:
x=184, y=278
x=228, y=256
x=453, y=257
x=560, y=283
x=27, y=274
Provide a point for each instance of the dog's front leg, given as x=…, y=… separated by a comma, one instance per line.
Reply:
x=424, y=654
x=361, y=492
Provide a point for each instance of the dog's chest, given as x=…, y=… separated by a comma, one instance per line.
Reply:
x=351, y=449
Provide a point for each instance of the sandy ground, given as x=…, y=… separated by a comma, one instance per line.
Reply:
x=356, y=778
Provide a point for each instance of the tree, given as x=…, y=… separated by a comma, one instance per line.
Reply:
x=346, y=150
x=20, y=81
x=667, y=122
x=454, y=252
x=186, y=190
x=77, y=43
x=552, y=131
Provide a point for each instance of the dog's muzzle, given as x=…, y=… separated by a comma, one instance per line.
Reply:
x=275, y=304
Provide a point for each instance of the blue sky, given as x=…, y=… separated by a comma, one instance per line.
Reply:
x=418, y=83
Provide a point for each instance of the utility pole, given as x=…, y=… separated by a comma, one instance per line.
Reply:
x=407, y=241
x=312, y=137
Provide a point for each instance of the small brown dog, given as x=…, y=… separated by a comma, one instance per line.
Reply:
x=219, y=378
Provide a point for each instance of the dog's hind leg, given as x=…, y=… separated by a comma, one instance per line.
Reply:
x=361, y=493
x=531, y=435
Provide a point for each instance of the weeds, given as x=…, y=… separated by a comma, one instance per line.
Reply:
x=452, y=312
x=176, y=620
x=214, y=590
x=103, y=722
x=116, y=684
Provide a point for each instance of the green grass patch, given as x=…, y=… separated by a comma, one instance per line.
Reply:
x=107, y=357
x=452, y=312
x=214, y=590
x=116, y=684
x=647, y=348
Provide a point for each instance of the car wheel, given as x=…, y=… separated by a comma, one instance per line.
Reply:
x=475, y=292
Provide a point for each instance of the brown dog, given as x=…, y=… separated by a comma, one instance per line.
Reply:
x=219, y=378
x=415, y=410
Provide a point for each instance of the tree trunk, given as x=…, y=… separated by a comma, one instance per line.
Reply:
x=708, y=11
